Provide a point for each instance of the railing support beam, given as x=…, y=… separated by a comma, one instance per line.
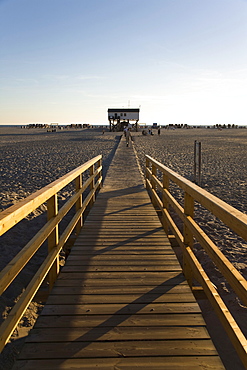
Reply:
x=53, y=239
x=188, y=237
x=78, y=205
x=165, y=203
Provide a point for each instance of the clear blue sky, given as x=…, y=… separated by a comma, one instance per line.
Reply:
x=182, y=61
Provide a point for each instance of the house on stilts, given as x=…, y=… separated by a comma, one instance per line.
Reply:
x=121, y=117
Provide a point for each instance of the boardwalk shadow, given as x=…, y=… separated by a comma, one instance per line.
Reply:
x=128, y=310
x=94, y=334
x=123, y=200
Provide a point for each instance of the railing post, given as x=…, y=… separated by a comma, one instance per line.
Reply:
x=188, y=236
x=146, y=172
x=165, y=202
x=78, y=205
x=53, y=238
x=92, y=185
x=154, y=173
x=100, y=174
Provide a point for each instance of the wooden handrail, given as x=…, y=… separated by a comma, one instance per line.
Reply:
x=12, y=215
x=233, y=218
x=50, y=266
x=236, y=220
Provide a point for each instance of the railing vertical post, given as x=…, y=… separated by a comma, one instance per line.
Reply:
x=52, y=211
x=92, y=185
x=195, y=160
x=146, y=172
x=165, y=202
x=188, y=236
x=200, y=164
x=154, y=173
x=100, y=174
x=78, y=205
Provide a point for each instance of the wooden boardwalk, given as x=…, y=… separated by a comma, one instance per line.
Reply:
x=121, y=300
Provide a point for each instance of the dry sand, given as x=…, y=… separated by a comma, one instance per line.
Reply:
x=32, y=158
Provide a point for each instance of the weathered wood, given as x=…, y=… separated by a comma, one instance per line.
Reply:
x=125, y=268
x=233, y=276
x=78, y=185
x=130, y=275
x=233, y=218
x=189, y=347
x=115, y=334
x=15, y=213
x=120, y=259
x=234, y=332
x=188, y=236
x=121, y=300
x=53, y=239
x=121, y=309
x=50, y=265
x=69, y=281
x=68, y=321
x=130, y=363
x=122, y=290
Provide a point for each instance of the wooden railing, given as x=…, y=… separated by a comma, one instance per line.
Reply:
x=50, y=267
x=159, y=181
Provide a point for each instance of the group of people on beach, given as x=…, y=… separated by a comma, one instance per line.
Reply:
x=127, y=134
x=150, y=132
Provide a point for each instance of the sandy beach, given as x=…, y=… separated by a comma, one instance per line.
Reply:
x=32, y=158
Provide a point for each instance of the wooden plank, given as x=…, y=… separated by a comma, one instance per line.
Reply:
x=121, y=300
x=122, y=244
x=131, y=243
x=15, y=213
x=124, y=268
x=111, y=250
x=121, y=309
x=74, y=349
x=144, y=232
x=123, y=264
x=115, y=275
x=117, y=298
x=122, y=217
x=123, y=234
x=121, y=259
x=134, y=289
x=123, y=224
x=72, y=321
x=116, y=334
x=74, y=281
x=130, y=363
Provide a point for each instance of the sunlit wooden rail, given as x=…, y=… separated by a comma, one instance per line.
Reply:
x=159, y=180
x=92, y=171
x=121, y=301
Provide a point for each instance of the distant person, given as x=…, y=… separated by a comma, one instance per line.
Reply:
x=159, y=131
x=127, y=136
x=103, y=132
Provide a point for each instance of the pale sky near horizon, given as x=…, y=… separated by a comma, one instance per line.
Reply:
x=181, y=61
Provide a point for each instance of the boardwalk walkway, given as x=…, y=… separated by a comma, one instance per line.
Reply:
x=121, y=301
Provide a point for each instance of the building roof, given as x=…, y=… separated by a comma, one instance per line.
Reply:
x=123, y=110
